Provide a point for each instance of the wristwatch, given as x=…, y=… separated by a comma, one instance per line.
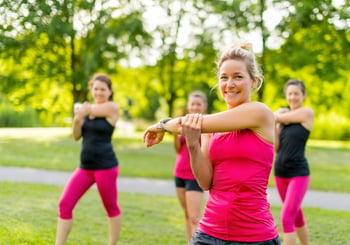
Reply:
x=162, y=122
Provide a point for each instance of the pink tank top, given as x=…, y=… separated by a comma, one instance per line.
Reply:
x=237, y=208
x=182, y=165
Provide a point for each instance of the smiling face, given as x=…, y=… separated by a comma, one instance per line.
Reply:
x=100, y=92
x=295, y=96
x=196, y=104
x=235, y=82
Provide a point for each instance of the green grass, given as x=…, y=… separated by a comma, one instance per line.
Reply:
x=54, y=149
x=329, y=163
x=29, y=211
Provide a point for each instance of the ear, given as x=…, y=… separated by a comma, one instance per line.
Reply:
x=304, y=96
x=254, y=84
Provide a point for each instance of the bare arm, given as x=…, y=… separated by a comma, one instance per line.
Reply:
x=255, y=116
x=177, y=143
x=278, y=127
x=277, y=135
x=201, y=165
x=80, y=112
x=76, y=129
x=109, y=110
x=303, y=115
x=154, y=134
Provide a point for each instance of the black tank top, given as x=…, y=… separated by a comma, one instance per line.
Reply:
x=290, y=160
x=97, y=150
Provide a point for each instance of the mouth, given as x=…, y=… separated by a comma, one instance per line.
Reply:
x=231, y=92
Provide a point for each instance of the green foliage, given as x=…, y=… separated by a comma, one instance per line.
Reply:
x=49, y=50
x=23, y=116
x=331, y=126
x=136, y=93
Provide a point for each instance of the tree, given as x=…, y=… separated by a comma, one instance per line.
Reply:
x=66, y=42
x=185, y=49
x=316, y=49
x=316, y=39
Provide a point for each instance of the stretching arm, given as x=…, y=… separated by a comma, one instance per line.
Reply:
x=201, y=166
x=80, y=112
x=177, y=143
x=254, y=115
x=303, y=115
x=109, y=110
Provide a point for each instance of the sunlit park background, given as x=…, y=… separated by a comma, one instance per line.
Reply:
x=157, y=52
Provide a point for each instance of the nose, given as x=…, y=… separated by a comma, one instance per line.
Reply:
x=230, y=82
x=293, y=96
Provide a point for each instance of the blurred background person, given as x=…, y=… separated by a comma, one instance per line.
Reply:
x=291, y=169
x=189, y=193
x=95, y=123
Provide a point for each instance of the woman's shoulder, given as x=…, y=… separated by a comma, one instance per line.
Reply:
x=262, y=105
x=256, y=113
x=258, y=105
x=264, y=121
x=262, y=109
x=308, y=110
x=309, y=118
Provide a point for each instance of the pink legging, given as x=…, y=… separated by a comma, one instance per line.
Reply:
x=80, y=181
x=292, y=192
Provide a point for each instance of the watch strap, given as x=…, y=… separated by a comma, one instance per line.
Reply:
x=162, y=122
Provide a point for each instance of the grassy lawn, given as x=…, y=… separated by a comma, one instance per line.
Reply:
x=54, y=149
x=29, y=211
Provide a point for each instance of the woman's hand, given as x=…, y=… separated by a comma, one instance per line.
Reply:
x=279, y=112
x=82, y=110
x=153, y=135
x=192, y=128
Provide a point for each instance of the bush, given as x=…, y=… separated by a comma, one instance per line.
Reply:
x=331, y=127
x=12, y=117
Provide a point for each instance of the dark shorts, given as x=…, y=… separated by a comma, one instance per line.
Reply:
x=200, y=238
x=188, y=184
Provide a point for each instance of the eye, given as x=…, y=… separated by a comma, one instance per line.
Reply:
x=223, y=78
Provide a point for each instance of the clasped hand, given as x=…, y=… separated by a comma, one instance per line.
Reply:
x=190, y=126
x=82, y=110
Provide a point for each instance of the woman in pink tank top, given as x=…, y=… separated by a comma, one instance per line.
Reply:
x=234, y=159
x=188, y=192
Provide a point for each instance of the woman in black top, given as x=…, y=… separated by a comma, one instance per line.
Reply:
x=292, y=174
x=94, y=123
